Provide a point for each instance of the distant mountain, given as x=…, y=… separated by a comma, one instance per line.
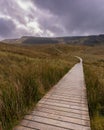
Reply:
x=79, y=40
x=10, y=41
x=84, y=40
x=31, y=40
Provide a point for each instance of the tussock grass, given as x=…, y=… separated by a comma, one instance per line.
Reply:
x=24, y=79
x=94, y=76
x=27, y=72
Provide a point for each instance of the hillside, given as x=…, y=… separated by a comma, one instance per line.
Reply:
x=76, y=40
x=32, y=40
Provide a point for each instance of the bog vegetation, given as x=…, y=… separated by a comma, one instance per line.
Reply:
x=94, y=75
x=27, y=72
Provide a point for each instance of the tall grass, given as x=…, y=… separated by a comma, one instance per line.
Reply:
x=94, y=76
x=28, y=72
x=23, y=81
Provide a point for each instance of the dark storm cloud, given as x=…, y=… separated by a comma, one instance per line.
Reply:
x=6, y=27
x=78, y=17
x=59, y=7
x=51, y=17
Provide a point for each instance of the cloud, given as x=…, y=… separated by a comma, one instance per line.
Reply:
x=76, y=17
x=51, y=17
x=6, y=27
x=20, y=13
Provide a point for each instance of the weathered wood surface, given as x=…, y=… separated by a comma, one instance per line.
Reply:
x=64, y=107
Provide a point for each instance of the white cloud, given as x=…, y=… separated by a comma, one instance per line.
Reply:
x=34, y=27
x=24, y=14
x=25, y=5
x=49, y=33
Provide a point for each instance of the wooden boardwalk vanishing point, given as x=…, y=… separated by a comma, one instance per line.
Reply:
x=64, y=107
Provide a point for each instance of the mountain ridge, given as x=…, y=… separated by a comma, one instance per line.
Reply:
x=79, y=40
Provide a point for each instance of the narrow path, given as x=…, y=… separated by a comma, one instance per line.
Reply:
x=64, y=107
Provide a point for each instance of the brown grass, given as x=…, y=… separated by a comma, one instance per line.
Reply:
x=33, y=69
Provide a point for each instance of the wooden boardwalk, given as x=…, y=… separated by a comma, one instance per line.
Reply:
x=64, y=107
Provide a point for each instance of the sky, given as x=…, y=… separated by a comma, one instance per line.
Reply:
x=51, y=18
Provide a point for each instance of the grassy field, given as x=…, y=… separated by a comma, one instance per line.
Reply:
x=33, y=70
x=27, y=70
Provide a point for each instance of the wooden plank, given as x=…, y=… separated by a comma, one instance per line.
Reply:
x=63, y=113
x=64, y=102
x=66, y=99
x=69, y=97
x=40, y=126
x=25, y=128
x=65, y=105
x=57, y=123
x=63, y=109
x=61, y=118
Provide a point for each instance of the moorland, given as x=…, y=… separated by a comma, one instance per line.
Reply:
x=33, y=69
